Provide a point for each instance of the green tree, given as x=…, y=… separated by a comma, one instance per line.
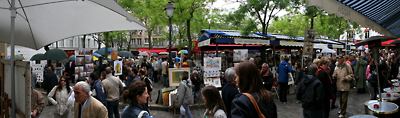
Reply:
x=148, y=11
x=253, y=13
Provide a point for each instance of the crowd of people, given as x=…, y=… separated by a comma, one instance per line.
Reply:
x=245, y=89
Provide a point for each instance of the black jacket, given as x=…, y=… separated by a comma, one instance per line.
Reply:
x=50, y=80
x=242, y=107
x=268, y=80
x=229, y=91
x=196, y=82
x=311, y=93
x=326, y=84
x=332, y=67
x=298, y=76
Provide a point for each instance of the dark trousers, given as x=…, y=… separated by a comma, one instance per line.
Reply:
x=312, y=114
x=283, y=91
x=112, y=108
x=155, y=78
x=327, y=108
x=334, y=90
x=343, y=101
x=49, y=100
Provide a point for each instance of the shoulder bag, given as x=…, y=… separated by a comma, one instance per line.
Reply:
x=260, y=115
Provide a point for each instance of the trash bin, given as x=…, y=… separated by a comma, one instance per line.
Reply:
x=367, y=111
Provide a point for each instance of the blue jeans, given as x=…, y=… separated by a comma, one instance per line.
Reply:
x=165, y=80
x=313, y=114
x=188, y=114
x=112, y=108
x=49, y=100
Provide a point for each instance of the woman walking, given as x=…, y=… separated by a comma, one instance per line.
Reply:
x=137, y=96
x=61, y=93
x=215, y=107
x=254, y=101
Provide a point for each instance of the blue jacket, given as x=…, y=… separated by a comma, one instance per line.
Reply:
x=100, y=95
x=131, y=111
x=283, y=70
x=177, y=59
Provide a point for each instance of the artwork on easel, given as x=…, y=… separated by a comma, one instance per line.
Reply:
x=175, y=75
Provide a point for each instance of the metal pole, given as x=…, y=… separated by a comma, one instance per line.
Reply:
x=375, y=52
x=13, y=14
x=171, y=64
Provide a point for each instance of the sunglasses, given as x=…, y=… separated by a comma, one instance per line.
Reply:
x=63, y=80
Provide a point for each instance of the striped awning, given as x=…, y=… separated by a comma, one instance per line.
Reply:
x=204, y=43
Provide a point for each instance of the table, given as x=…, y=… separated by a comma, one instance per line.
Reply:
x=394, y=90
x=397, y=84
x=384, y=108
x=363, y=116
x=392, y=97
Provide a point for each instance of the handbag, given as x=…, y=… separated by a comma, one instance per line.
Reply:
x=183, y=111
x=260, y=115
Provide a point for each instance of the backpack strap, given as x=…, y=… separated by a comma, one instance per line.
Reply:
x=260, y=115
x=112, y=81
x=142, y=113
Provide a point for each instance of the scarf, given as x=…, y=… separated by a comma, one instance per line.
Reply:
x=266, y=73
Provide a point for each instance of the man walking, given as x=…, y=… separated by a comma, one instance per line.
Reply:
x=344, y=75
x=311, y=94
x=283, y=69
x=164, y=73
x=50, y=80
x=132, y=77
x=86, y=106
x=112, y=87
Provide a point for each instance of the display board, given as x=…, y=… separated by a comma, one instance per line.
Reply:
x=175, y=75
x=22, y=86
x=240, y=54
x=118, y=67
x=37, y=69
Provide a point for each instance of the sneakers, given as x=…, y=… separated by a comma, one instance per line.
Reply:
x=341, y=116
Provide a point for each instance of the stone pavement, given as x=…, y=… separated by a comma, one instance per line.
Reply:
x=289, y=110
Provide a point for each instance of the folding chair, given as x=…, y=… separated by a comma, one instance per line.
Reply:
x=275, y=88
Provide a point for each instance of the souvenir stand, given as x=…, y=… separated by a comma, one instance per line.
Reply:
x=84, y=63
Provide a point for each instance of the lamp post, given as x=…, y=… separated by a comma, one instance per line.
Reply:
x=170, y=12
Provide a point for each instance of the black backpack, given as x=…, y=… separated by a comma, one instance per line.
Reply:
x=373, y=79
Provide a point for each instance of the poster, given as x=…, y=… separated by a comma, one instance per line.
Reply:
x=85, y=51
x=212, y=63
x=88, y=59
x=89, y=67
x=39, y=77
x=79, y=60
x=175, y=75
x=211, y=73
x=215, y=81
x=37, y=69
x=118, y=67
x=114, y=55
x=240, y=54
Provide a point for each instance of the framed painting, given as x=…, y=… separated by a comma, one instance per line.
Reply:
x=175, y=75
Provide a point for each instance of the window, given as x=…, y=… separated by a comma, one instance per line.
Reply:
x=139, y=41
x=161, y=43
x=146, y=41
x=132, y=42
x=71, y=43
x=155, y=44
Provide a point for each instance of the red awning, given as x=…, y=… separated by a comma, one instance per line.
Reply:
x=387, y=42
x=154, y=50
x=234, y=45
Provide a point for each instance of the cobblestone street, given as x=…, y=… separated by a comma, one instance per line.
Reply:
x=289, y=110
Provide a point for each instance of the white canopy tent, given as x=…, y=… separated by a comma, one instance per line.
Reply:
x=324, y=48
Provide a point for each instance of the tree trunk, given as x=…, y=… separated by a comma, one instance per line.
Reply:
x=189, y=47
x=106, y=40
x=149, y=34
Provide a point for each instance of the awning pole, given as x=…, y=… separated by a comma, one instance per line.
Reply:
x=12, y=33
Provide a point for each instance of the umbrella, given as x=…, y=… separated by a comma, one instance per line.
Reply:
x=95, y=58
x=37, y=57
x=163, y=53
x=41, y=22
x=50, y=21
x=108, y=50
x=101, y=52
x=125, y=54
x=361, y=48
x=154, y=54
x=143, y=54
x=183, y=52
x=71, y=58
x=55, y=54
x=96, y=55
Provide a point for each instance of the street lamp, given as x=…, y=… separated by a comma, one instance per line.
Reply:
x=170, y=12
